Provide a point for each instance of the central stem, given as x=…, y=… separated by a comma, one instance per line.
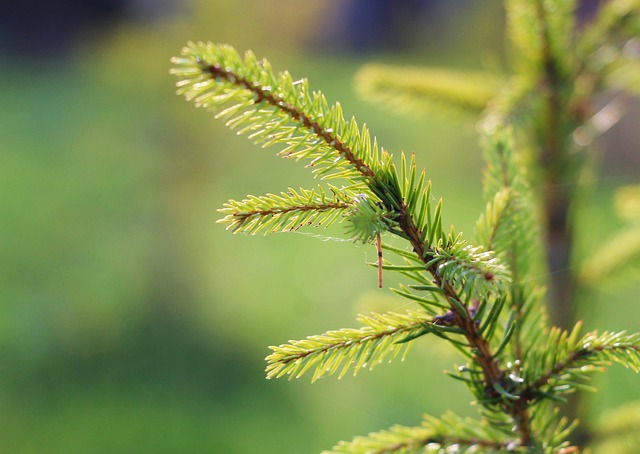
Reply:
x=558, y=182
x=493, y=375
x=558, y=171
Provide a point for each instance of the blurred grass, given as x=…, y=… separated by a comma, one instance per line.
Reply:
x=130, y=321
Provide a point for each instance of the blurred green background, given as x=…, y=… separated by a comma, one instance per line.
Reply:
x=129, y=320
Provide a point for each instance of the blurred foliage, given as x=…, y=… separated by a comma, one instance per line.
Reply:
x=118, y=289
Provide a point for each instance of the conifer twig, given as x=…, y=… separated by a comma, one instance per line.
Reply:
x=479, y=298
x=263, y=94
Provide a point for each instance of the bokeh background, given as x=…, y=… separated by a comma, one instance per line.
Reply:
x=129, y=320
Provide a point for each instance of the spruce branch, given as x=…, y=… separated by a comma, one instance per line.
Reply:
x=449, y=433
x=508, y=225
x=275, y=109
x=382, y=336
x=272, y=109
x=284, y=212
x=565, y=368
x=475, y=296
x=410, y=90
x=461, y=310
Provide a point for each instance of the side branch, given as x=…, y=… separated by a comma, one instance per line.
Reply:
x=347, y=349
x=241, y=217
x=262, y=94
x=447, y=432
x=626, y=353
x=444, y=441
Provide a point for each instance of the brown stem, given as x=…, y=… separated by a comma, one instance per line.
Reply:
x=559, y=239
x=242, y=217
x=558, y=188
x=483, y=355
x=558, y=194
